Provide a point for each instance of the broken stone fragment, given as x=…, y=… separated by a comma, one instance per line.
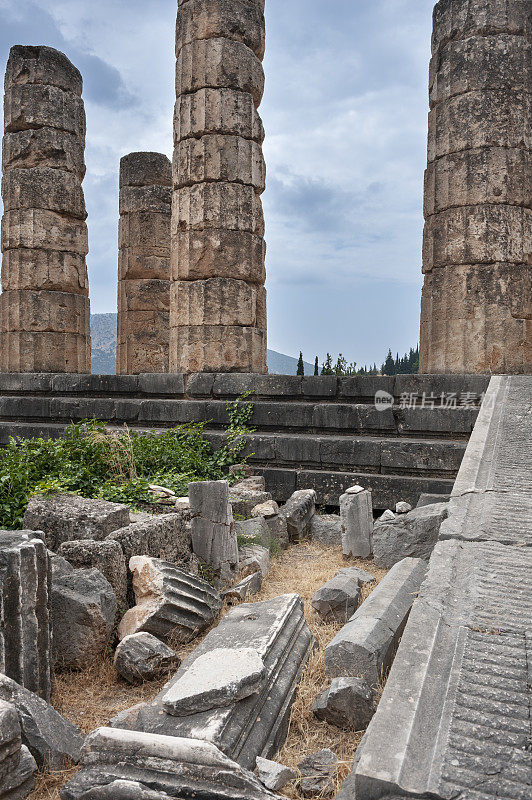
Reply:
x=214, y=539
x=298, y=511
x=413, y=534
x=359, y=575
x=20, y=781
x=216, y=679
x=10, y=739
x=171, y=604
x=106, y=556
x=356, y=513
x=274, y=776
x=254, y=558
x=348, y=703
x=246, y=495
x=142, y=657
x=338, y=599
x=387, y=516
x=83, y=613
x=326, y=529
x=130, y=765
x=243, y=589
x=318, y=773
x=266, y=510
x=402, y=508
x=254, y=531
x=51, y=739
x=427, y=499
x=66, y=517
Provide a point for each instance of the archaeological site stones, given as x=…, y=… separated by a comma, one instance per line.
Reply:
x=476, y=308
x=44, y=306
x=144, y=264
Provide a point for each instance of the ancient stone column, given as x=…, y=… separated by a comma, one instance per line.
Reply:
x=477, y=309
x=218, y=301
x=144, y=263
x=44, y=308
x=25, y=617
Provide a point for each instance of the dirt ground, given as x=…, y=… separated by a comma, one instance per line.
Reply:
x=90, y=698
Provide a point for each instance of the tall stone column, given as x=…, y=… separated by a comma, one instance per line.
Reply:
x=44, y=308
x=218, y=300
x=144, y=264
x=477, y=307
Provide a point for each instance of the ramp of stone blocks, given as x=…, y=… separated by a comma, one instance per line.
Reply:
x=256, y=725
x=454, y=721
x=320, y=432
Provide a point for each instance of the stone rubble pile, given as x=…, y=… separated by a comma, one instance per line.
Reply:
x=143, y=323
x=44, y=307
x=17, y=765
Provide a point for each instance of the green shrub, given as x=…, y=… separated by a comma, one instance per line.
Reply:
x=116, y=466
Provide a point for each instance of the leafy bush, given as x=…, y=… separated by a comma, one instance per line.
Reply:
x=117, y=466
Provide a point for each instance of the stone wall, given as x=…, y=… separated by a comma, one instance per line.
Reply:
x=477, y=304
x=218, y=301
x=144, y=264
x=44, y=308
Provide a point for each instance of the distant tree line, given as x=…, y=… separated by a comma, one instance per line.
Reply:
x=407, y=365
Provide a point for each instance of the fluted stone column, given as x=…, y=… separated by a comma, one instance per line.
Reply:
x=44, y=308
x=477, y=307
x=144, y=264
x=218, y=300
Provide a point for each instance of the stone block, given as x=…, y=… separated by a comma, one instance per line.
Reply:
x=356, y=514
x=132, y=264
x=10, y=739
x=28, y=311
x=214, y=539
x=219, y=63
x=237, y=20
x=66, y=517
x=31, y=65
x=106, y=556
x=37, y=106
x=215, y=157
x=254, y=531
x=359, y=575
x=454, y=21
x=43, y=187
x=488, y=175
x=155, y=199
x=44, y=147
x=338, y=599
x=277, y=631
x=44, y=230
x=145, y=169
x=138, y=297
x=215, y=680
x=244, y=589
x=480, y=63
x=51, y=739
x=171, y=604
x=479, y=119
x=146, y=233
x=216, y=301
x=198, y=255
x=318, y=774
x=44, y=352
x=222, y=111
x=83, y=614
x=140, y=766
x=19, y=783
x=48, y=270
x=217, y=206
x=268, y=509
x=409, y=535
x=25, y=615
x=365, y=646
x=347, y=703
x=274, y=776
x=426, y=499
x=142, y=657
x=298, y=512
x=217, y=348
x=254, y=558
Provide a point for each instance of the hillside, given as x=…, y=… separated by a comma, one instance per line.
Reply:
x=103, y=331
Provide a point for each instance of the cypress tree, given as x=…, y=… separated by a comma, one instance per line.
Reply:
x=316, y=366
x=300, y=365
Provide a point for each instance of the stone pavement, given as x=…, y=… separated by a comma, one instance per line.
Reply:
x=454, y=720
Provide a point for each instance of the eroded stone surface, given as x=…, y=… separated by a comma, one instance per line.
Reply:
x=412, y=534
x=214, y=539
x=274, y=776
x=298, y=512
x=347, y=703
x=106, y=556
x=142, y=657
x=317, y=774
x=338, y=599
x=356, y=514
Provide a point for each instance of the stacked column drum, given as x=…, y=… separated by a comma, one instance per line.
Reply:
x=144, y=264
x=476, y=307
x=44, y=308
x=218, y=299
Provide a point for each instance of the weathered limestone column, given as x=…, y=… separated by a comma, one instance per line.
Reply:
x=44, y=308
x=144, y=264
x=25, y=618
x=477, y=306
x=218, y=301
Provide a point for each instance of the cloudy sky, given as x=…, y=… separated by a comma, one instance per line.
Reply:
x=345, y=112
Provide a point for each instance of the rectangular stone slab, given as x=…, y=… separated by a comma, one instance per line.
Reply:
x=257, y=725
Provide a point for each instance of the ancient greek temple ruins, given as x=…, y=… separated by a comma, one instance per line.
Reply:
x=435, y=658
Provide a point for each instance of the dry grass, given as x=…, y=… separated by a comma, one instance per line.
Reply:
x=90, y=698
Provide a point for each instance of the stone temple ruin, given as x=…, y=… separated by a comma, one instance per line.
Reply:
x=447, y=629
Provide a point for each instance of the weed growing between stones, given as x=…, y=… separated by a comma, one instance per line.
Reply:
x=117, y=466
